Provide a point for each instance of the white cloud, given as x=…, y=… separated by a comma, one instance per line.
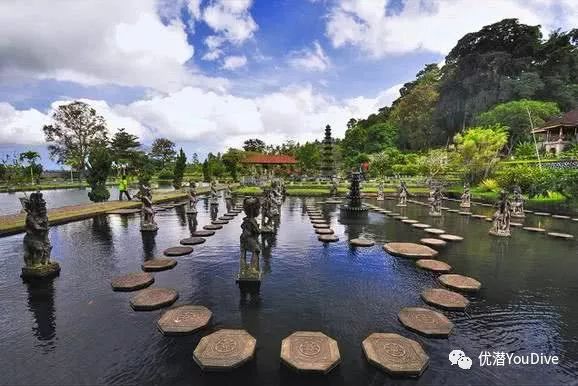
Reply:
x=310, y=59
x=433, y=25
x=234, y=62
x=213, y=55
x=95, y=42
x=231, y=20
x=21, y=127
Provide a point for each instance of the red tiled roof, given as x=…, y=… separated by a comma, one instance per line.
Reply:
x=570, y=119
x=269, y=159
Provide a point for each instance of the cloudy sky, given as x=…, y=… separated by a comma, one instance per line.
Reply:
x=209, y=74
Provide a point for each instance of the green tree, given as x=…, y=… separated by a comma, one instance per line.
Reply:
x=99, y=166
x=163, y=151
x=254, y=145
x=381, y=163
x=206, y=171
x=179, y=170
x=124, y=147
x=515, y=115
x=35, y=169
x=76, y=129
x=436, y=162
x=145, y=168
x=232, y=161
x=309, y=157
x=479, y=149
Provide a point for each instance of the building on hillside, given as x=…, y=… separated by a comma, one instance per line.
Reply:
x=559, y=133
x=267, y=165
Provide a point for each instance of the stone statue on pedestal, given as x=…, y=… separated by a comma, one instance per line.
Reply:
x=192, y=209
x=501, y=224
x=250, y=271
x=333, y=187
x=403, y=193
x=518, y=203
x=37, y=246
x=436, y=202
x=466, y=197
x=147, y=214
x=228, y=198
x=214, y=200
x=380, y=193
x=266, y=212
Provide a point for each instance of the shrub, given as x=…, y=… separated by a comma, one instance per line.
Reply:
x=529, y=178
x=166, y=174
x=489, y=185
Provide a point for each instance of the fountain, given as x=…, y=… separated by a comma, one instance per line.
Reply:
x=354, y=207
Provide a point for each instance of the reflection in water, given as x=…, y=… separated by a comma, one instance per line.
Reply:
x=192, y=222
x=148, y=244
x=268, y=241
x=41, y=304
x=181, y=215
x=101, y=229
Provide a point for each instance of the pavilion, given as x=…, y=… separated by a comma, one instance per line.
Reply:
x=269, y=163
x=558, y=133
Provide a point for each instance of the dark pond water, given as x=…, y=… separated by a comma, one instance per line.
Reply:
x=76, y=330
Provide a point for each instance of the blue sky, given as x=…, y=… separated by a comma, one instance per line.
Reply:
x=210, y=73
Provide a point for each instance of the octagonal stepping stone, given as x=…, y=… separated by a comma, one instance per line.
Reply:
x=386, y=211
x=409, y=221
x=566, y=236
x=516, y=224
x=150, y=299
x=226, y=218
x=124, y=211
x=185, y=319
x=479, y=216
x=132, y=281
x=575, y=219
x=411, y=250
x=320, y=226
x=159, y=209
x=318, y=222
x=425, y=322
x=544, y=214
x=317, y=218
x=310, y=351
x=219, y=222
x=433, y=265
x=448, y=237
x=460, y=282
x=203, y=233
x=534, y=229
x=158, y=264
x=453, y=211
x=192, y=241
x=430, y=242
x=444, y=299
x=561, y=217
x=212, y=227
x=393, y=214
x=328, y=238
x=489, y=219
x=361, y=242
x=395, y=354
x=421, y=226
x=178, y=251
x=237, y=211
x=401, y=218
x=231, y=214
x=435, y=231
x=324, y=231
x=464, y=213
x=224, y=350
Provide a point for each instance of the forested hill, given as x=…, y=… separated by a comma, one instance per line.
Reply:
x=503, y=62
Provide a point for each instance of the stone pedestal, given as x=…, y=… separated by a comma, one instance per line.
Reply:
x=149, y=228
x=41, y=271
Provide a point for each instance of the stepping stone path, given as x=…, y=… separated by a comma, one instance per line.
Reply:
x=409, y=221
x=534, y=229
x=542, y=213
x=320, y=226
x=465, y=213
x=231, y=214
x=360, y=242
x=420, y=226
x=212, y=227
x=395, y=354
x=324, y=231
x=516, y=224
x=433, y=265
x=224, y=350
x=433, y=242
x=124, y=211
x=448, y=237
x=192, y=241
x=435, y=231
x=460, y=282
x=204, y=233
x=401, y=218
x=561, y=235
x=479, y=216
x=318, y=222
x=561, y=217
x=393, y=214
x=444, y=299
x=226, y=218
x=132, y=281
x=184, y=319
x=411, y=250
x=425, y=322
x=328, y=238
x=219, y=222
x=178, y=251
x=153, y=298
x=453, y=211
x=310, y=351
x=158, y=264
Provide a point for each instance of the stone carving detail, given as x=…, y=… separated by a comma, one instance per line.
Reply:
x=333, y=187
x=214, y=200
x=267, y=212
x=228, y=198
x=518, y=203
x=466, y=197
x=380, y=193
x=436, y=202
x=192, y=209
x=395, y=354
x=147, y=215
x=310, y=351
x=501, y=218
x=250, y=271
x=403, y=193
x=37, y=247
x=225, y=350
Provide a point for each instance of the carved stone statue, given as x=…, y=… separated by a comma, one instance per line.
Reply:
x=228, y=198
x=436, y=202
x=466, y=197
x=380, y=194
x=250, y=271
x=267, y=212
x=37, y=246
x=147, y=214
x=192, y=209
x=518, y=203
x=214, y=200
x=501, y=224
x=403, y=193
x=333, y=187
